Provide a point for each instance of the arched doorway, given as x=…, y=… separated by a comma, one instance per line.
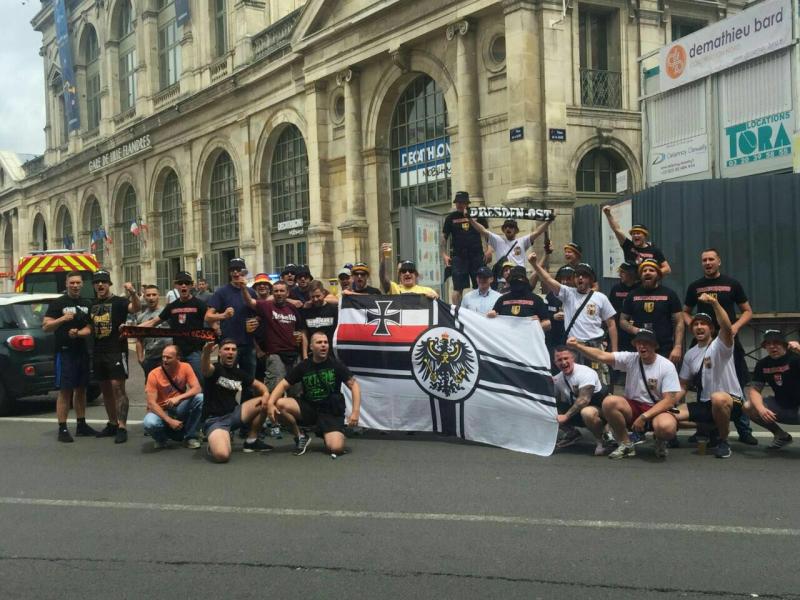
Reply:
x=97, y=231
x=595, y=178
x=223, y=220
x=39, y=233
x=64, y=232
x=289, y=199
x=171, y=236
x=131, y=237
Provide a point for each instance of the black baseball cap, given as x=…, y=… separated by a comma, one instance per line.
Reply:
x=774, y=335
x=565, y=271
x=701, y=316
x=461, y=197
x=484, y=272
x=183, y=277
x=585, y=269
x=290, y=268
x=303, y=271
x=101, y=276
x=628, y=267
x=510, y=223
x=237, y=263
x=407, y=265
x=646, y=336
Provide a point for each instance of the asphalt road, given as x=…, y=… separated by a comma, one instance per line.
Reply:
x=398, y=516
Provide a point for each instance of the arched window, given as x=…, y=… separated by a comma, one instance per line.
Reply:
x=597, y=172
x=131, y=269
x=64, y=229
x=60, y=128
x=127, y=57
x=223, y=203
x=290, y=198
x=420, y=146
x=169, y=45
x=91, y=57
x=39, y=233
x=171, y=214
x=96, y=230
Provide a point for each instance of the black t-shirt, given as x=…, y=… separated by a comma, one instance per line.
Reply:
x=783, y=376
x=220, y=390
x=521, y=304
x=184, y=316
x=637, y=255
x=321, y=318
x=322, y=383
x=728, y=291
x=465, y=239
x=107, y=316
x=617, y=297
x=555, y=335
x=368, y=289
x=653, y=310
x=57, y=309
x=297, y=294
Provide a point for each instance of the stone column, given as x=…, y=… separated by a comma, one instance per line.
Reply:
x=524, y=80
x=354, y=229
x=469, y=137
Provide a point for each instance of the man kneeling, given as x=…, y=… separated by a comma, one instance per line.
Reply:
x=322, y=405
x=174, y=401
x=581, y=393
x=221, y=412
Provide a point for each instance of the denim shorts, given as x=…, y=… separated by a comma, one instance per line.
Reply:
x=230, y=422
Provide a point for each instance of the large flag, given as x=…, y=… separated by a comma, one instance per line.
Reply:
x=424, y=365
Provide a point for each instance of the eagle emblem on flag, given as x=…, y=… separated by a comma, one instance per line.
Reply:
x=445, y=364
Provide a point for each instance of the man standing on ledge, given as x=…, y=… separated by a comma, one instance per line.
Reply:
x=637, y=247
x=467, y=254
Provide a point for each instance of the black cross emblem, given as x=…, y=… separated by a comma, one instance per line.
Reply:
x=383, y=316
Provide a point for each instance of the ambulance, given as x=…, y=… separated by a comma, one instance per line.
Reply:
x=45, y=272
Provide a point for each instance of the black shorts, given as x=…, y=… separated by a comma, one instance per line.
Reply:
x=230, y=422
x=110, y=365
x=464, y=270
x=700, y=412
x=324, y=423
x=787, y=415
x=72, y=370
x=597, y=401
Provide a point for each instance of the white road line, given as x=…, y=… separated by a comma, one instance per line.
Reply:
x=398, y=516
x=53, y=420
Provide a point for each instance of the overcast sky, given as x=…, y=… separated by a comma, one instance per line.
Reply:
x=22, y=114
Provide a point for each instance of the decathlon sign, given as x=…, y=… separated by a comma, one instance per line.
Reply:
x=758, y=139
x=759, y=30
x=428, y=161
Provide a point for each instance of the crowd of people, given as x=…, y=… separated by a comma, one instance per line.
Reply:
x=275, y=370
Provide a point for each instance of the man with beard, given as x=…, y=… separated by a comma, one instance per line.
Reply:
x=509, y=246
x=466, y=255
x=320, y=316
x=731, y=296
x=585, y=311
x=110, y=352
x=148, y=350
x=637, y=247
x=360, y=283
x=657, y=308
x=407, y=276
x=520, y=301
x=780, y=370
x=711, y=362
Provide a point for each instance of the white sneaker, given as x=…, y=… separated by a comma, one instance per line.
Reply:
x=601, y=449
x=192, y=443
x=623, y=451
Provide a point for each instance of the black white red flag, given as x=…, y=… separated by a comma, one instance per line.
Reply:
x=424, y=365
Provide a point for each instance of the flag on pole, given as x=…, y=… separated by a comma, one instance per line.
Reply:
x=424, y=365
x=135, y=228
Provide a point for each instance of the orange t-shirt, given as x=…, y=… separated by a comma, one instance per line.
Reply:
x=157, y=382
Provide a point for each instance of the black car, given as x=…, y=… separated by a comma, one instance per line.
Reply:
x=27, y=365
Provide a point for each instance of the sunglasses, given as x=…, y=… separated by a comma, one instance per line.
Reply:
x=407, y=271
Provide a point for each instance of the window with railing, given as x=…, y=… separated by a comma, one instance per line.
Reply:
x=169, y=47
x=171, y=214
x=600, y=68
x=224, y=207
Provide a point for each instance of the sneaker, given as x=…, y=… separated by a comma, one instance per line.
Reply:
x=159, y=445
x=110, y=430
x=601, y=449
x=257, y=446
x=623, y=451
x=723, y=449
x=608, y=439
x=569, y=438
x=121, y=436
x=84, y=430
x=301, y=444
x=661, y=448
x=65, y=436
x=748, y=439
x=779, y=441
x=636, y=438
x=192, y=443
x=276, y=432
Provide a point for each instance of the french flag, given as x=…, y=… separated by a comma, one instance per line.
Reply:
x=135, y=228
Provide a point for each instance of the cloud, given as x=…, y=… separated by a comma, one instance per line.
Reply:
x=22, y=102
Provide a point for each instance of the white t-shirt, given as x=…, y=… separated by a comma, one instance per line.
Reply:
x=568, y=386
x=501, y=245
x=661, y=375
x=589, y=324
x=719, y=370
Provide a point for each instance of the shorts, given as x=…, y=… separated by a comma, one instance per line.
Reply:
x=638, y=408
x=324, y=422
x=464, y=271
x=700, y=412
x=230, y=422
x=110, y=365
x=597, y=401
x=790, y=416
x=72, y=370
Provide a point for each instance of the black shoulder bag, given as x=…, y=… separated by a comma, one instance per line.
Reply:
x=577, y=312
x=497, y=269
x=172, y=381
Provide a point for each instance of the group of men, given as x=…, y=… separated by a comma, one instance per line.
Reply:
x=275, y=346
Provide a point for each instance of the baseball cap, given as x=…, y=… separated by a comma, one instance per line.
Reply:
x=628, y=267
x=236, y=263
x=565, y=271
x=517, y=273
x=640, y=229
x=510, y=223
x=359, y=267
x=461, y=197
x=344, y=272
x=646, y=336
x=183, y=277
x=101, y=275
x=303, y=271
x=701, y=316
x=484, y=272
x=407, y=265
x=774, y=335
x=509, y=263
x=261, y=278
x=585, y=269
x=649, y=262
x=575, y=247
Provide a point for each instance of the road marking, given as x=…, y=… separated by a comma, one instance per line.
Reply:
x=53, y=420
x=399, y=516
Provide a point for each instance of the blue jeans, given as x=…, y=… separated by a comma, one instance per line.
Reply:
x=246, y=357
x=194, y=360
x=189, y=412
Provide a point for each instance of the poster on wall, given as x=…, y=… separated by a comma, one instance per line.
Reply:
x=612, y=252
x=426, y=246
x=679, y=159
x=425, y=162
x=765, y=139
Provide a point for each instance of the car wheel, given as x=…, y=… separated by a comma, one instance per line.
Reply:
x=6, y=401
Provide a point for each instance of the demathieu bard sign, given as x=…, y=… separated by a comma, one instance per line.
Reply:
x=759, y=30
x=119, y=153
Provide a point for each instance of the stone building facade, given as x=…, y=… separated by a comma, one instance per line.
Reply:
x=288, y=131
